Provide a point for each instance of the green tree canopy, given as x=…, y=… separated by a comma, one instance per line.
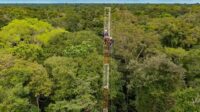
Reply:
x=28, y=30
x=21, y=83
x=154, y=80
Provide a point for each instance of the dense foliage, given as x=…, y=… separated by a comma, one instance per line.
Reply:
x=51, y=58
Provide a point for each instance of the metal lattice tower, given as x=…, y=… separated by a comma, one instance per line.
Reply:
x=106, y=45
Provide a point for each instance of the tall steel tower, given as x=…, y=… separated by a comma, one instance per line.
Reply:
x=106, y=45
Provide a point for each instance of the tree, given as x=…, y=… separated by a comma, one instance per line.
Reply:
x=176, y=54
x=175, y=32
x=132, y=42
x=22, y=84
x=191, y=62
x=154, y=80
x=74, y=44
x=29, y=30
x=187, y=100
x=25, y=38
x=75, y=91
x=28, y=51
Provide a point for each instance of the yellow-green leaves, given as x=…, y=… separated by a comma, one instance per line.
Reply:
x=27, y=51
x=45, y=37
x=176, y=54
x=187, y=100
x=29, y=30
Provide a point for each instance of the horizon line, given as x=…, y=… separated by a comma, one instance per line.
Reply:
x=96, y=3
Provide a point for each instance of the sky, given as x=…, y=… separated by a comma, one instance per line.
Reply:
x=100, y=1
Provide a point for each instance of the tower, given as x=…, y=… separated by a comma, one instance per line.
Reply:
x=106, y=52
